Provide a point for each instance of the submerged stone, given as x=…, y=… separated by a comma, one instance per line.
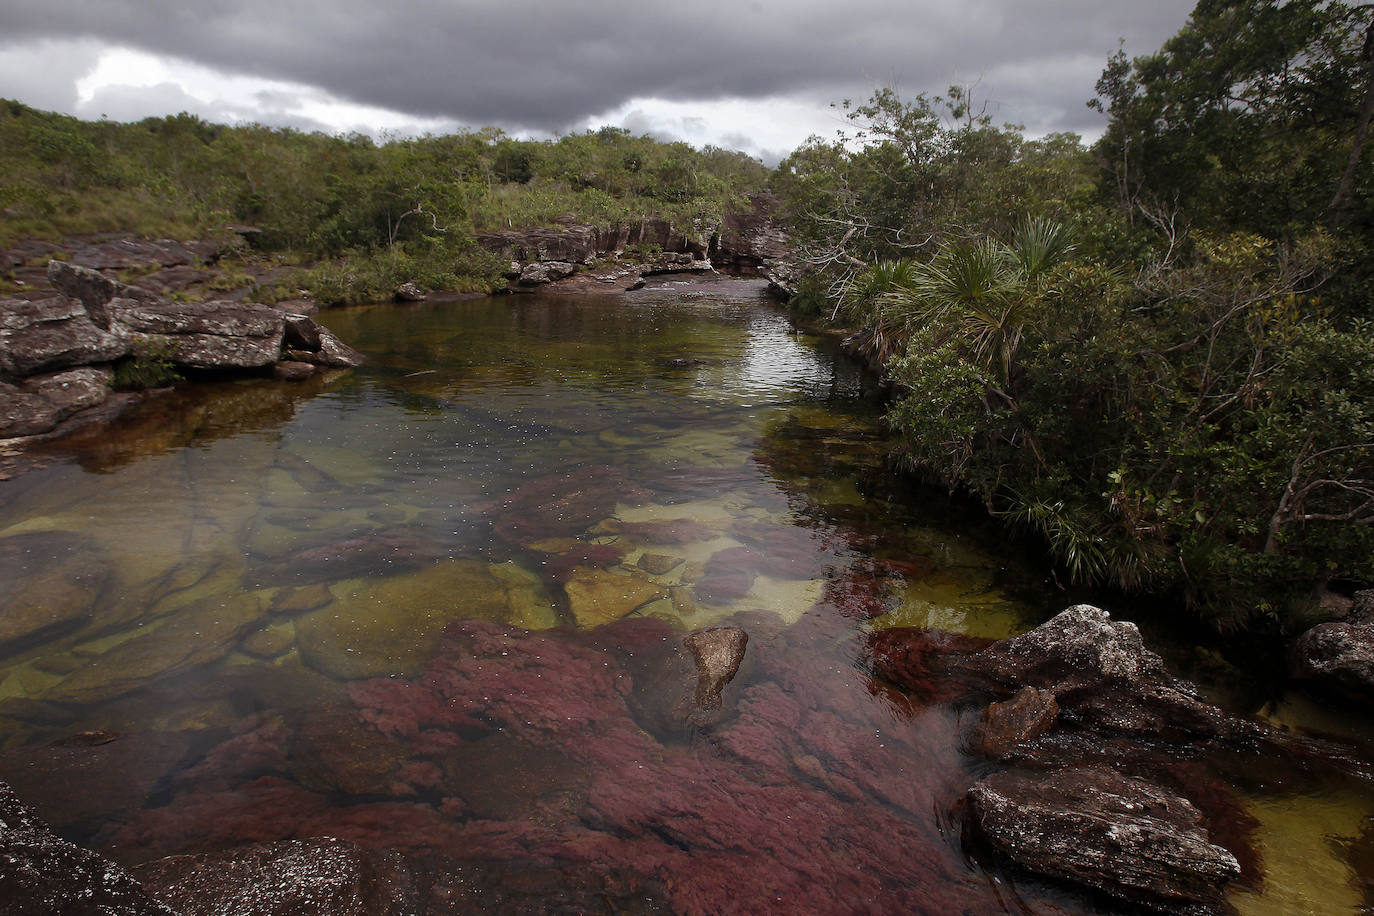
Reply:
x=75, y=781
x=390, y=626
x=270, y=642
x=52, y=582
x=658, y=564
x=189, y=637
x=598, y=596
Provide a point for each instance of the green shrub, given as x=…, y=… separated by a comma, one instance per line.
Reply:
x=152, y=365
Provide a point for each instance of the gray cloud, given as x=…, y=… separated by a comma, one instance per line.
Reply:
x=543, y=65
x=44, y=73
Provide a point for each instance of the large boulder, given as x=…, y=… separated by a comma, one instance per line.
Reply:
x=206, y=335
x=37, y=404
x=1105, y=681
x=56, y=333
x=1339, y=656
x=1120, y=835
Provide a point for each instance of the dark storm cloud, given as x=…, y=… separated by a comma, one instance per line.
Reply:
x=545, y=65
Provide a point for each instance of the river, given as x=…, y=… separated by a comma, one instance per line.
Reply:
x=435, y=604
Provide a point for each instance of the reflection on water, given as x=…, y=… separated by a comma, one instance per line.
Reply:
x=436, y=603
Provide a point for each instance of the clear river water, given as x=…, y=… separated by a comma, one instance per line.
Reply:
x=436, y=604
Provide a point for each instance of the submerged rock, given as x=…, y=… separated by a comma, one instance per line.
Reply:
x=52, y=581
x=598, y=596
x=193, y=635
x=92, y=776
x=391, y=626
x=1118, y=834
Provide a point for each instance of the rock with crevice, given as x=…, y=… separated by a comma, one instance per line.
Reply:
x=1117, y=834
x=56, y=333
x=205, y=335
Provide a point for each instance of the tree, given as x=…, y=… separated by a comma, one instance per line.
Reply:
x=1255, y=116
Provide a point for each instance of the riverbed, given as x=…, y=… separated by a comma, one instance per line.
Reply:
x=435, y=604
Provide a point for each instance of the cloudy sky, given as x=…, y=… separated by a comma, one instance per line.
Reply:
x=757, y=75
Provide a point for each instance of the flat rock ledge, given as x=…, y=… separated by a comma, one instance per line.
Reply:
x=57, y=354
x=1120, y=835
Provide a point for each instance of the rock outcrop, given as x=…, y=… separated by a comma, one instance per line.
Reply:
x=1117, y=834
x=57, y=353
x=622, y=255
x=1106, y=737
x=1339, y=656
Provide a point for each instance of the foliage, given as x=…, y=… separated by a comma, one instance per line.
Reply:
x=151, y=365
x=1164, y=370
x=335, y=197
x=916, y=173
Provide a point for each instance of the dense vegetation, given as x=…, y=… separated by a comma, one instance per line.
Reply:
x=1157, y=353
x=372, y=214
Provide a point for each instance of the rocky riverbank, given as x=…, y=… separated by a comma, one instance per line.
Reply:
x=61, y=355
x=578, y=257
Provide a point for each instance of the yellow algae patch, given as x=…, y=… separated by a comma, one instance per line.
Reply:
x=991, y=621
x=1304, y=871
x=598, y=596
x=388, y=626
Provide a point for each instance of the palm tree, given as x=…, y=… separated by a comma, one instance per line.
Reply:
x=983, y=291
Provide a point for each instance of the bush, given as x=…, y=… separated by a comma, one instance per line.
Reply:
x=152, y=365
